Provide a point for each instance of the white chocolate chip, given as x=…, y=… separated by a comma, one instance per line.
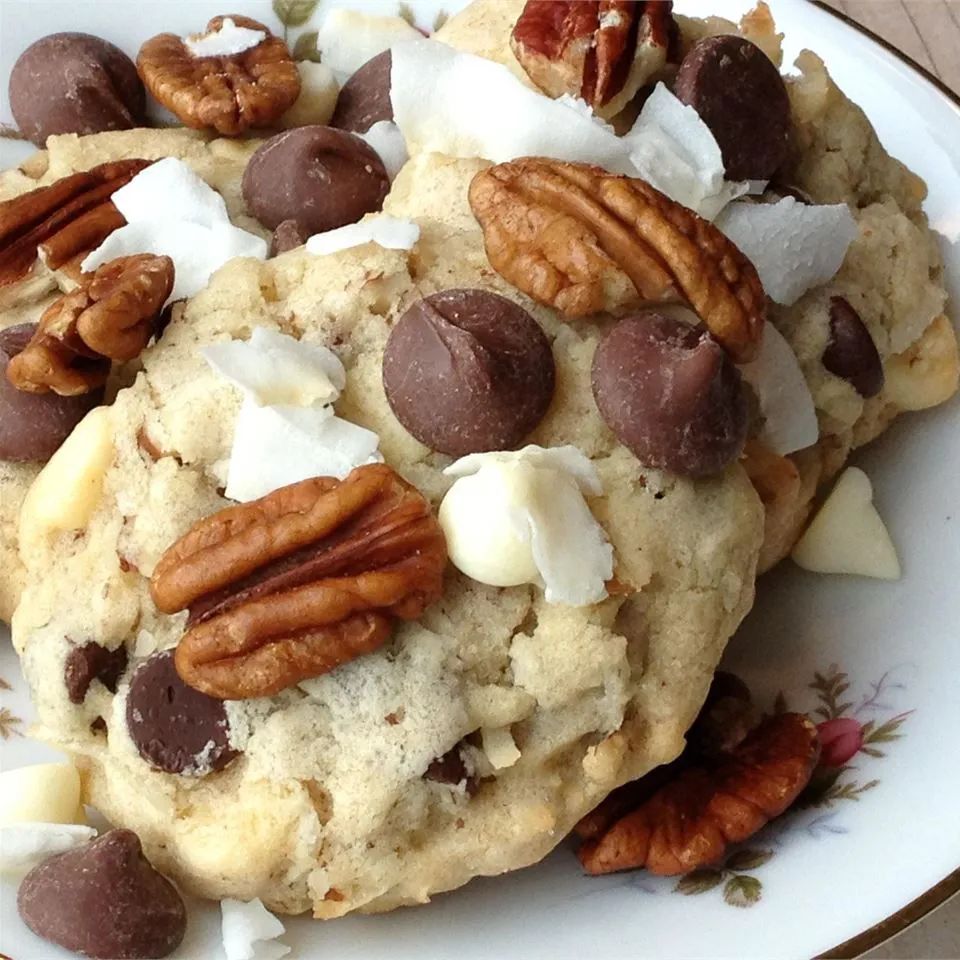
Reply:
x=499, y=746
x=521, y=517
x=67, y=490
x=481, y=518
x=847, y=535
x=318, y=97
x=48, y=792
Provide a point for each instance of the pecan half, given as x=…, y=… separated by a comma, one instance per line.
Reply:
x=72, y=215
x=292, y=585
x=602, y=51
x=585, y=241
x=725, y=719
x=229, y=94
x=689, y=823
x=110, y=316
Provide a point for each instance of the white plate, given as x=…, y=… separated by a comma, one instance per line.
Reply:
x=888, y=829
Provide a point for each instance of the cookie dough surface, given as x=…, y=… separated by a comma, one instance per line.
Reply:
x=220, y=162
x=327, y=807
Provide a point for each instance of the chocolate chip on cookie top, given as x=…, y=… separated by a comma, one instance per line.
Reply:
x=33, y=425
x=104, y=900
x=851, y=352
x=74, y=83
x=318, y=177
x=176, y=728
x=671, y=394
x=466, y=371
x=365, y=97
x=740, y=95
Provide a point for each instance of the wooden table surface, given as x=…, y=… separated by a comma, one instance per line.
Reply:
x=929, y=32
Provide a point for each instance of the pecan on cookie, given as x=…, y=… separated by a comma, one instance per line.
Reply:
x=71, y=215
x=292, y=585
x=229, y=93
x=602, y=51
x=111, y=316
x=585, y=241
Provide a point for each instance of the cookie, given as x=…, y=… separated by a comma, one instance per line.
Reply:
x=333, y=801
x=472, y=741
x=220, y=162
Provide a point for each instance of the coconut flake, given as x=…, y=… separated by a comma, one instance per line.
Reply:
x=387, y=140
x=170, y=211
x=170, y=190
x=548, y=512
x=790, y=418
x=248, y=928
x=347, y=39
x=22, y=845
x=277, y=446
x=794, y=246
x=391, y=233
x=274, y=369
x=228, y=40
x=478, y=108
x=675, y=152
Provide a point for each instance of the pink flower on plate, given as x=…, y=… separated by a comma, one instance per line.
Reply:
x=840, y=739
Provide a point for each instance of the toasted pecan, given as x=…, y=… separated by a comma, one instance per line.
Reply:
x=290, y=586
x=110, y=316
x=690, y=822
x=61, y=217
x=586, y=241
x=229, y=94
x=601, y=51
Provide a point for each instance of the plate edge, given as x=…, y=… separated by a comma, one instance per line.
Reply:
x=949, y=886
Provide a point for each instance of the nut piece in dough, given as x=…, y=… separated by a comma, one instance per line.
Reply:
x=847, y=535
x=67, y=490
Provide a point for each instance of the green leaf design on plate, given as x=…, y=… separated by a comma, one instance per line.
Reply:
x=748, y=859
x=742, y=891
x=440, y=19
x=700, y=881
x=306, y=47
x=294, y=13
x=886, y=732
x=405, y=12
x=8, y=724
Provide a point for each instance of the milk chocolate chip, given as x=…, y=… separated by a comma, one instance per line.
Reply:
x=74, y=83
x=90, y=662
x=104, y=900
x=176, y=728
x=365, y=97
x=671, y=394
x=740, y=95
x=851, y=352
x=318, y=177
x=467, y=371
x=33, y=425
